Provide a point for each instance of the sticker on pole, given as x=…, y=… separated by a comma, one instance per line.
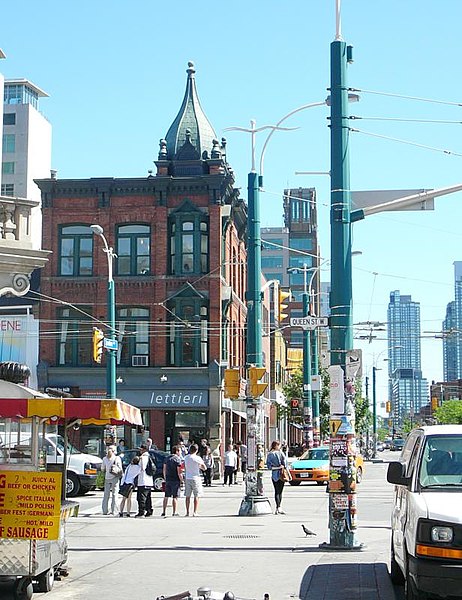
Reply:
x=30, y=505
x=336, y=391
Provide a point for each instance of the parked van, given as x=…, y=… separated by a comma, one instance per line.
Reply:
x=82, y=469
x=426, y=543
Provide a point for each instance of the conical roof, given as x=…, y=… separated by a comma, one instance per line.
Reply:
x=190, y=134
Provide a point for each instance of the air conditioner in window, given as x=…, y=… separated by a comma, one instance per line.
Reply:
x=140, y=360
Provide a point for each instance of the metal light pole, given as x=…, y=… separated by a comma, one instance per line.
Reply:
x=255, y=502
x=374, y=411
x=342, y=486
x=111, y=352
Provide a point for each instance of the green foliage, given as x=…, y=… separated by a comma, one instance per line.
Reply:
x=449, y=413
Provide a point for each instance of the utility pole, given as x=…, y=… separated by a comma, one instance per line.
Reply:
x=374, y=411
x=254, y=502
x=342, y=484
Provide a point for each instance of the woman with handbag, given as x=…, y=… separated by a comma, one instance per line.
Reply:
x=127, y=485
x=276, y=461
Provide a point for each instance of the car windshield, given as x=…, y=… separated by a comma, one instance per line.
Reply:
x=442, y=462
x=316, y=454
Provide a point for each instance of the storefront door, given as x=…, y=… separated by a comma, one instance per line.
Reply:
x=190, y=426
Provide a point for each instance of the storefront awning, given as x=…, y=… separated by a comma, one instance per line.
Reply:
x=90, y=411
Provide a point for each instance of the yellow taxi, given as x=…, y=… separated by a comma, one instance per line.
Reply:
x=313, y=465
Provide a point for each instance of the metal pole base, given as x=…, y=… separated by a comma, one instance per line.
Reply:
x=356, y=547
x=253, y=506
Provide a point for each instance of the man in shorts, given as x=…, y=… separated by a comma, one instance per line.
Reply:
x=193, y=481
x=173, y=476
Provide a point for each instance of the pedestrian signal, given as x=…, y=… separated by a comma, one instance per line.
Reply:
x=281, y=305
x=98, y=341
x=232, y=383
x=255, y=388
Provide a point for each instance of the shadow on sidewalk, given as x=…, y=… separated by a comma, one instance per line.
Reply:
x=355, y=581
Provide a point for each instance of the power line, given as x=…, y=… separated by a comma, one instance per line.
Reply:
x=403, y=97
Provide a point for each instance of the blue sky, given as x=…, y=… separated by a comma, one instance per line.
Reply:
x=115, y=72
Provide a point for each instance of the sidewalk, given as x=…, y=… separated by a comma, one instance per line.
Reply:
x=249, y=556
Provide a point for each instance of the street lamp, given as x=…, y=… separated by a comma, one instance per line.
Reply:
x=112, y=349
x=310, y=399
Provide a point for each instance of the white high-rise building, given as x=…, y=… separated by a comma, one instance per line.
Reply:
x=26, y=146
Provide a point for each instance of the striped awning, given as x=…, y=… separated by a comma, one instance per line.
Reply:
x=90, y=411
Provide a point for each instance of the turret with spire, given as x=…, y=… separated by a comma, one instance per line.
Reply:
x=191, y=146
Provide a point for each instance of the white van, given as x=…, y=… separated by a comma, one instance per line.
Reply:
x=82, y=469
x=426, y=543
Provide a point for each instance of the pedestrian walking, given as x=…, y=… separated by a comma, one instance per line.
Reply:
x=193, y=482
x=230, y=465
x=145, y=483
x=276, y=461
x=208, y=462
x=173, y=475
x=128, y=483
x=112, y=469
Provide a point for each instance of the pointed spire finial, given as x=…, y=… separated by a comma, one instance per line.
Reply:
x=190, y=70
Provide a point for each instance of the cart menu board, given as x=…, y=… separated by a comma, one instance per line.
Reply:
x=30, y=505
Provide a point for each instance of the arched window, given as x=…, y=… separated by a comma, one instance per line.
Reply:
x=133, y=249
x=76, y=251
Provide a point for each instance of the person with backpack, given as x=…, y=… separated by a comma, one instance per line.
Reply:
x=145, y=483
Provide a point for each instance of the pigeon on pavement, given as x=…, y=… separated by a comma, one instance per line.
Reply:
x=307, y=531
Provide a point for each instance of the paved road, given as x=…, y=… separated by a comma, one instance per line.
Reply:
x=247, y=555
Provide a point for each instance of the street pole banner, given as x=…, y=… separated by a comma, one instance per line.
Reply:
x=30, y=505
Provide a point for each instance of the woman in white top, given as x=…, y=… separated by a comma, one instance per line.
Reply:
x=129, y=477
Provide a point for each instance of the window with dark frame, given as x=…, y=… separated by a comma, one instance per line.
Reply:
x=133, y=334
x=75, y=251
x=75, y=332
x=189, y=243
x=133, y=249
x=188, y=333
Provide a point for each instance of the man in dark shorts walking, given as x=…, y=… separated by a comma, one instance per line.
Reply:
x=173, y=476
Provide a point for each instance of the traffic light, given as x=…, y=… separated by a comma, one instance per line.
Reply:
x=435, y=403
x=98, y=341
x=232, y=383
x=388, y=409
x=255, y=388
x=281, y=304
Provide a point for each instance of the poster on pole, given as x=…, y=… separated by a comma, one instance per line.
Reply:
x=336, y=392
x=30, y=505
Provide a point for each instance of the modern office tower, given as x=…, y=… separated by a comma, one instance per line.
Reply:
x=408, y=389
x=450, y=345
x=452, y=328
x=294, y=246
x=26, y=147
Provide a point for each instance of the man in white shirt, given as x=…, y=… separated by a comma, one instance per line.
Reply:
x=193, y=465
x=145, y=484
x=230, y=464
x=112, y=469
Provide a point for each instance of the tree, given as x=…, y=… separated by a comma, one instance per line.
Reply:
x=292, y=389
x=363, y=415
x=449, y=413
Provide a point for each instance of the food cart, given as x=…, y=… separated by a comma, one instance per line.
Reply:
x=33, y=505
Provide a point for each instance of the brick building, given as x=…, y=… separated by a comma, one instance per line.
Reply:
x=180, y=273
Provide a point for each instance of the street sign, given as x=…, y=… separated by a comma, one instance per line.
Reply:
x=334, y=426
x=110, y=344
x=309, y=322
